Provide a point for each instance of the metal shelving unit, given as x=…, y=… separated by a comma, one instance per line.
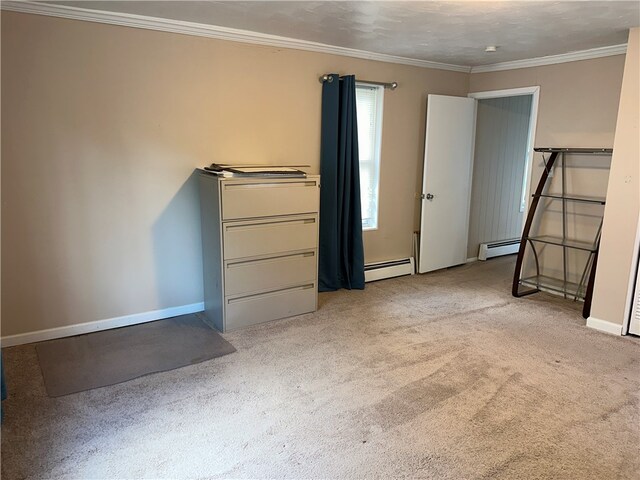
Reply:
x=583, y=289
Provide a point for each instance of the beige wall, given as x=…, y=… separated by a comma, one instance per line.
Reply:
x=578, y=100
x=623, y=199
x=578, y=106
x=102, y=127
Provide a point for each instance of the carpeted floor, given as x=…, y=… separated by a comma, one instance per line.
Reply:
x=440, y=376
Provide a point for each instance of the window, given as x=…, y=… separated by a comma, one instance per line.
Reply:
x=369, y=113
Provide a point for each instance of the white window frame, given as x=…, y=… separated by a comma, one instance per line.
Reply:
x=377, y=147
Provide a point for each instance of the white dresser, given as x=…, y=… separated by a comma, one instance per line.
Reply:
x=260, y=248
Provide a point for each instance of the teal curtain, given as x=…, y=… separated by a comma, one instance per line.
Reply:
x=341, y=252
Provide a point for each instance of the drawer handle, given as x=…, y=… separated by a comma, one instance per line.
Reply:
x=271, y=293
x=250, y=226
x=234, y=186
x=268, y=260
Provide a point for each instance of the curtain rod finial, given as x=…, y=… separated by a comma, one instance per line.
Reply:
x=394, y=85
x=326, y=78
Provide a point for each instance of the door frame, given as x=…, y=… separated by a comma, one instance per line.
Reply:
x=633, y=278
x=534, y=91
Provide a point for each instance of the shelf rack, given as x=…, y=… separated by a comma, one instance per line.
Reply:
x=583, y=289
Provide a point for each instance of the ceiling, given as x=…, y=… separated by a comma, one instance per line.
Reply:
x=447, y=32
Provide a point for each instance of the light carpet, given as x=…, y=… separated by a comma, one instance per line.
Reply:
x=437, y=376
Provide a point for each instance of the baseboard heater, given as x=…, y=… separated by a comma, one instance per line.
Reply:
x=496, y=249
x=394, y=268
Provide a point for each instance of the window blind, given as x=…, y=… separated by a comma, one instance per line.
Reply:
x=369, y=117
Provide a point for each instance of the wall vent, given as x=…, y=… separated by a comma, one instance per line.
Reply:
x=496, y=249
x=394, y=268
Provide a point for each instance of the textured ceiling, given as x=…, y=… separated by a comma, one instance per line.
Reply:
x=447, y=32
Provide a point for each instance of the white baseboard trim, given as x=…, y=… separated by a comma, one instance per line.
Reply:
x=498, y=249
x=383, y=270
x=472, y=259
x=604, y=326
x=106, y=324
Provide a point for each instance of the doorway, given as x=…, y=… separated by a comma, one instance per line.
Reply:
x=503, y=153
x=450, y=173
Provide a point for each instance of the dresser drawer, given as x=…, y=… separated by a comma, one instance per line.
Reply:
x=247, y=276
x=266, y=237
x=251, y=199
x=252, y=309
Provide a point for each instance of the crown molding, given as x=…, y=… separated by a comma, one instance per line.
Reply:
x=553, y=59
x=212, y=31
x=256, y=38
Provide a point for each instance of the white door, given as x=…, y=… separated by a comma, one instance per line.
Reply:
x=446, y=184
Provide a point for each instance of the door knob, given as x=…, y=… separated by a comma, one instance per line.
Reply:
x=429, y=196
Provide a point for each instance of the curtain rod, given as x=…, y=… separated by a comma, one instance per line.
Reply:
x=390, y=86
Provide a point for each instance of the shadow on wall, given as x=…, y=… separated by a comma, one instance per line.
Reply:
x=178, y=248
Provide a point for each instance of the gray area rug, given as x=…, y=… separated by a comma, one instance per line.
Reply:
x=75, y=364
